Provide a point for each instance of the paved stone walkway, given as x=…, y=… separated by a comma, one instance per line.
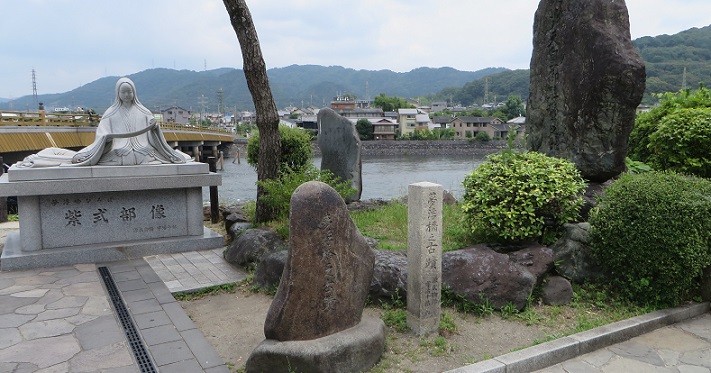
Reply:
x=61, y=319
x=680, y=348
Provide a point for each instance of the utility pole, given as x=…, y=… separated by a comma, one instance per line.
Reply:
x=683, y=80
x=220, y=101
x=202, y=101
x=486, y=90
x=34, y=88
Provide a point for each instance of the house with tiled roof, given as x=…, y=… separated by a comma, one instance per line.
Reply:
x=468, y=127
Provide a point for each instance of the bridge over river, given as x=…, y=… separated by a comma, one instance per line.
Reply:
x=24, y=133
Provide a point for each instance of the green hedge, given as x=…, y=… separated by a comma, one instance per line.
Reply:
x=651, y=233
x=296, y=151
x=515, y=197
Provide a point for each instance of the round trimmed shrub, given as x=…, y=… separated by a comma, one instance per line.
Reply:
x=514, y=197
x=651, y=233
x=682, y=141
x=296, y=151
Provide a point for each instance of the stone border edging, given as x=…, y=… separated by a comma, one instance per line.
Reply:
x=562, y=349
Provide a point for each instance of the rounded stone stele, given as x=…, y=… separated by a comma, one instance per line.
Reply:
x=352, y=350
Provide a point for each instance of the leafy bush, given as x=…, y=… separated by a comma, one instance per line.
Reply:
x=365, y=129
x=296, y=151
x=651, y=232
x=647, y=123
x=516, y=196
x=278, y=192
x=682, y=141
x=482, y=136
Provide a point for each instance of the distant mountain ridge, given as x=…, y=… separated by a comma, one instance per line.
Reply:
x=298, y=85
x=666, y=56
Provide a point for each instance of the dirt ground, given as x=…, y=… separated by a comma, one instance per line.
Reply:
x=234, y=323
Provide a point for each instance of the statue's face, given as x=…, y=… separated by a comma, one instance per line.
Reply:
x=125, y=93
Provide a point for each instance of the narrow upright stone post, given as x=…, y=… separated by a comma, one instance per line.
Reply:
x=424, y=257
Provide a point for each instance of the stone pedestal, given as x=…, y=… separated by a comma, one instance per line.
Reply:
x=424, y=257
x=71, y=215
x=353, y=350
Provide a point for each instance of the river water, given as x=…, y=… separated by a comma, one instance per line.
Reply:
x=385, y=177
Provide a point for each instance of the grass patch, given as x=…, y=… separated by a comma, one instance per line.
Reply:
x=388, y=225
x=204, y=292
x=13, y=217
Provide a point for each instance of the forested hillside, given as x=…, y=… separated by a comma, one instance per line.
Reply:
x=293, y=85
x=666, y=56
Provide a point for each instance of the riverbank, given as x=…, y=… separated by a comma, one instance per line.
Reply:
x=408, y=147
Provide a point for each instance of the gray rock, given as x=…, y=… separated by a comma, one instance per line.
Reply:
x=557, y=291
x=389, y=281
x=536, y=259
x=592, y=193
x=481, y=274
x=236, y=229
x=354, y=350
x=587, y=80
x=328, y=270
x=270, y=269
x=233, y=215
x=573, y=255
x=340, y=149
x=252, y=246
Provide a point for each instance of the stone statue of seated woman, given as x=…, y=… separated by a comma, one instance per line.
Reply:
x=126, y=135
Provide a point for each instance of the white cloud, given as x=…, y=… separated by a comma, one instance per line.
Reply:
x=73, y=42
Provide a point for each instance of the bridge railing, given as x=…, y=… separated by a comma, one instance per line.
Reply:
x=20, y=118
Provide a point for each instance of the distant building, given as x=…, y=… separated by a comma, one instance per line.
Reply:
x=407, y=121
x=343, y=103
x=442, y=121
x=362, y=113
x=467, y=127
x=176, y=114
x=384, y=129
x=439, y=106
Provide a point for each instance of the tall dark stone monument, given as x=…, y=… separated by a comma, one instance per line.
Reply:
x=340, y=149
x=587, y=80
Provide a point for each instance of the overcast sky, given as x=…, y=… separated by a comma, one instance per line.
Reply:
x=74, y=42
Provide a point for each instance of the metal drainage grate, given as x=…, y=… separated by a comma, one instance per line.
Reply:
x=145, y=363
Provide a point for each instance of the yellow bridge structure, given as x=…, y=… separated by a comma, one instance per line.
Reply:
x=22, y=132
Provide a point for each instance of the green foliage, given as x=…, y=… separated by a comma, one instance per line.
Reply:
x=426, y=134
x=395, y=318
x=666, y=57
x=636, y=167
x=482, y=137
x=365, y=129
x=482, y=308
x=388, y=225
x=504, y=84
x=207, y=291
x=682, y=142
x=279, y=191
x=447, y=324
x=651, y=233
x=388, y=103
x=296, y=151
x=517, y=196
x=513, y=107
x=648, y=123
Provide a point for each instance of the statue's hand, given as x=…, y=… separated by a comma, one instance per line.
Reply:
x=153, y=123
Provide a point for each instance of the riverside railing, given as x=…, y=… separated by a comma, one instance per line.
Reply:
x=41, y=118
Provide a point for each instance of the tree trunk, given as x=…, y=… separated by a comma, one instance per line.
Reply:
x=255, y=71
